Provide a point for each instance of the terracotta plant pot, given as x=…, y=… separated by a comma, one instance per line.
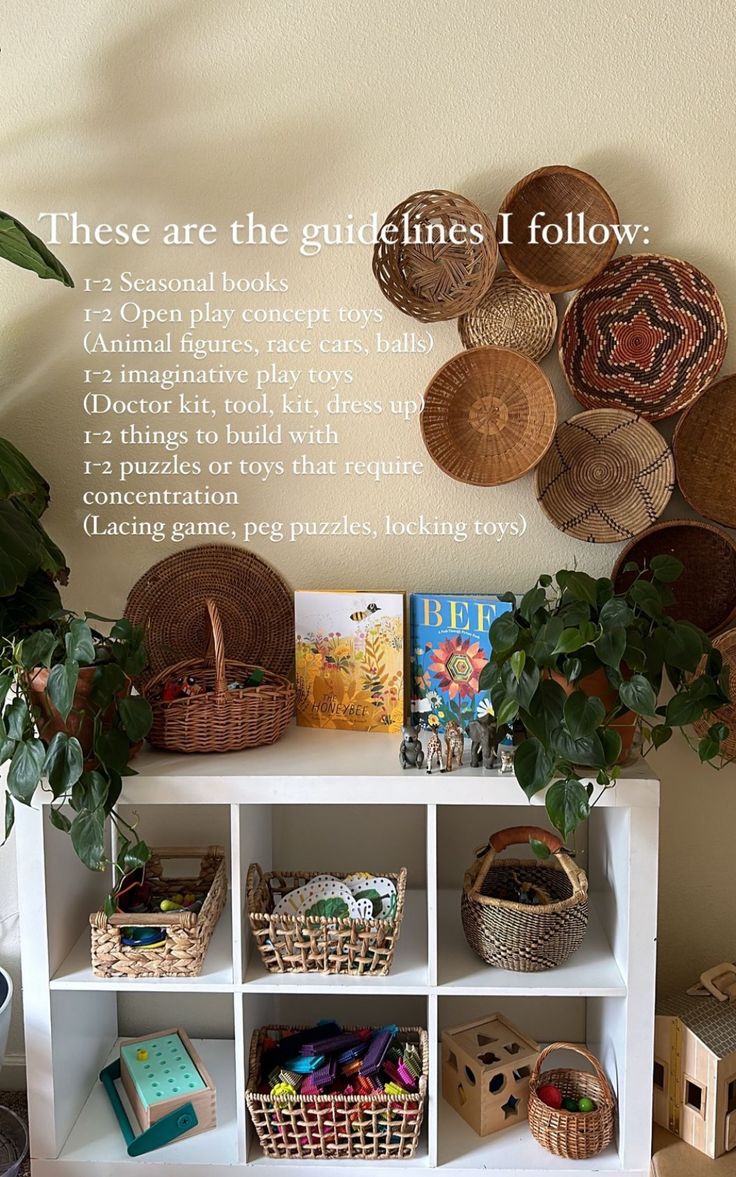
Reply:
x=597, y=684
x=80, y=720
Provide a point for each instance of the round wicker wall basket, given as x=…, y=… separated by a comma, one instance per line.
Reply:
x=553, y=193
x=489, y=416
x=433, y=281
x=648, y=335
x=726, y=646
x=607, y=477
x=706, y=591
x=511, y=315
x=705, y=452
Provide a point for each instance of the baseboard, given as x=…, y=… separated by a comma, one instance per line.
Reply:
x=13, y=1072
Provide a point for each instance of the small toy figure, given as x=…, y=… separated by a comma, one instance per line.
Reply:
x=434, y=751
x=507, y=751
x=454, y=744
x=483, y=741
x=411, y=752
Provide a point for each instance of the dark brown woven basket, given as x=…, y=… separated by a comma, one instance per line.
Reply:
x=726, y=645
x=288, y=944
x=219, y=719
x=576, y=1136
x=704, y=444
x=705, y=593
x=555, y=191
x=511, y=315
x=517, y=936
x=344, y=1127
x=433, y=282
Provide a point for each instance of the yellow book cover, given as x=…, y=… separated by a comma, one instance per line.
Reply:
x=350, y=660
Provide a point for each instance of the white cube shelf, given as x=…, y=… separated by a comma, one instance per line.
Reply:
x=334, y=801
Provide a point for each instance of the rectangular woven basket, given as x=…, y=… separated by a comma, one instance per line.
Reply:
x=288, y=944
x=345, y=1127
x=188, y=933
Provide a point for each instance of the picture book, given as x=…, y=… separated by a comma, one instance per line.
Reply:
x=449, y=648
x=350, y=660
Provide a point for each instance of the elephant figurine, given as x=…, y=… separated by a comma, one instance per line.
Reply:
x=484, y=737
x=411, y=752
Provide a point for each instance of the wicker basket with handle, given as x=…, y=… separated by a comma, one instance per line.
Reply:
x=288, y=944
x=521, y=937
x=218, y=719
x=576, y=1136
x=188, y=933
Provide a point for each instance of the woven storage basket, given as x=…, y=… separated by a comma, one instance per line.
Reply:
x=345, y=1127
x=219, y=719
x=489, y=416
x=576, y=1136
x=517, y=936
x=705, y=593
x=647, y=335
x=433, y=282
x=555, y=191
x=704, y=444
x=511, y=315
x=187, y=933
x=288, y=944
x=726, y=645
x=608, y=476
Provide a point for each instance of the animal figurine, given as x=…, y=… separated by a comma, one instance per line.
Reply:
x=434, y=751
x=411, y=752
x=483, y=741
x=507, y=751
x=454, y=744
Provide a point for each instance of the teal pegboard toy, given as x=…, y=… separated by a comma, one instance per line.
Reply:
x=167, y=1086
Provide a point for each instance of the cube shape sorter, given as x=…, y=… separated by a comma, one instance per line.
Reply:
x=485, y=1072
x=168, y=1088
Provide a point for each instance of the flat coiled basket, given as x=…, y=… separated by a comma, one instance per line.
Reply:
x=518, y=936
x=576, y=1136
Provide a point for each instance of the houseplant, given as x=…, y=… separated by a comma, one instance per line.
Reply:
x=582, y=666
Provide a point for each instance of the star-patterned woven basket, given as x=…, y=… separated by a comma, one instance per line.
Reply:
x=648, y=335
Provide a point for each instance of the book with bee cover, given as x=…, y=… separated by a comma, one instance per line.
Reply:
x=449, y=648
x=350, y=660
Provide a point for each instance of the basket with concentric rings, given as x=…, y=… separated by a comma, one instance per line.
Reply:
x=511, y=315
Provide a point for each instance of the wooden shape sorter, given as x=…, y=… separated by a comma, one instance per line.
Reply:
x=485, y=1072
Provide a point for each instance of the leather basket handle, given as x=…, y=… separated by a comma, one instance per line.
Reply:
x=516, y=835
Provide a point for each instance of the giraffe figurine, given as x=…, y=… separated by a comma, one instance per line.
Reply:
x=454, y=744
x=434, y=750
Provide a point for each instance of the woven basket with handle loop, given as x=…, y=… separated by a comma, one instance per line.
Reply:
x=576, y=1136
x=218, y=719
x=518, y=936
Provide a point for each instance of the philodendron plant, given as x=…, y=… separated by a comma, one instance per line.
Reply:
x=582, y=666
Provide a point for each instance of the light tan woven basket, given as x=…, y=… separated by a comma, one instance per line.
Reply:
x=187, y=933
x=219, y=719
x=511, y=315
x=704, y=445
x=518, y=936
x=726, y=646
x=576, y=1136
x=288, y=944
x=345, y=1127
x=433, y=282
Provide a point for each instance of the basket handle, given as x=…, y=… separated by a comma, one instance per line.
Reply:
x=216, y=648
x=515, y=835
x=600, y=1074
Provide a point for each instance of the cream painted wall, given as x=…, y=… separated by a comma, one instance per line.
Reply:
x=157, y=111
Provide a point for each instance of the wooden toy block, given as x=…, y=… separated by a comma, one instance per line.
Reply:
x=163, y=1071
x=486, y=1066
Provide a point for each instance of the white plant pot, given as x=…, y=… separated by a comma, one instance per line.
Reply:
x=6, y=1006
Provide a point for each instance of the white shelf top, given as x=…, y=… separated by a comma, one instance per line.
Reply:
x=332, y=767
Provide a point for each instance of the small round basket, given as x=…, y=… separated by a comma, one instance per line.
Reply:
x=511, y=315
x=217, y=718
x=576, y=1136
x=435, y=279
x=555, y=192
x=608, y=476
x=705, y=593
x=726, y=646
x=524, y=937
x=705, y=452
x=489, y=416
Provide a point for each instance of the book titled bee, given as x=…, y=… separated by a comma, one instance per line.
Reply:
x=449, y=648
x=350, y=660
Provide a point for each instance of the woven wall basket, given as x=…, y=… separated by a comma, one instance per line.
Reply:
x=489, y=416
x=433, y=282
x=705, y=452
x=576, y=1136
x=607, y=476
x=511, y=315
x=254, y=603
x=706, y=591
x=648, y=335
x=726, y=645
x=556, y=191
